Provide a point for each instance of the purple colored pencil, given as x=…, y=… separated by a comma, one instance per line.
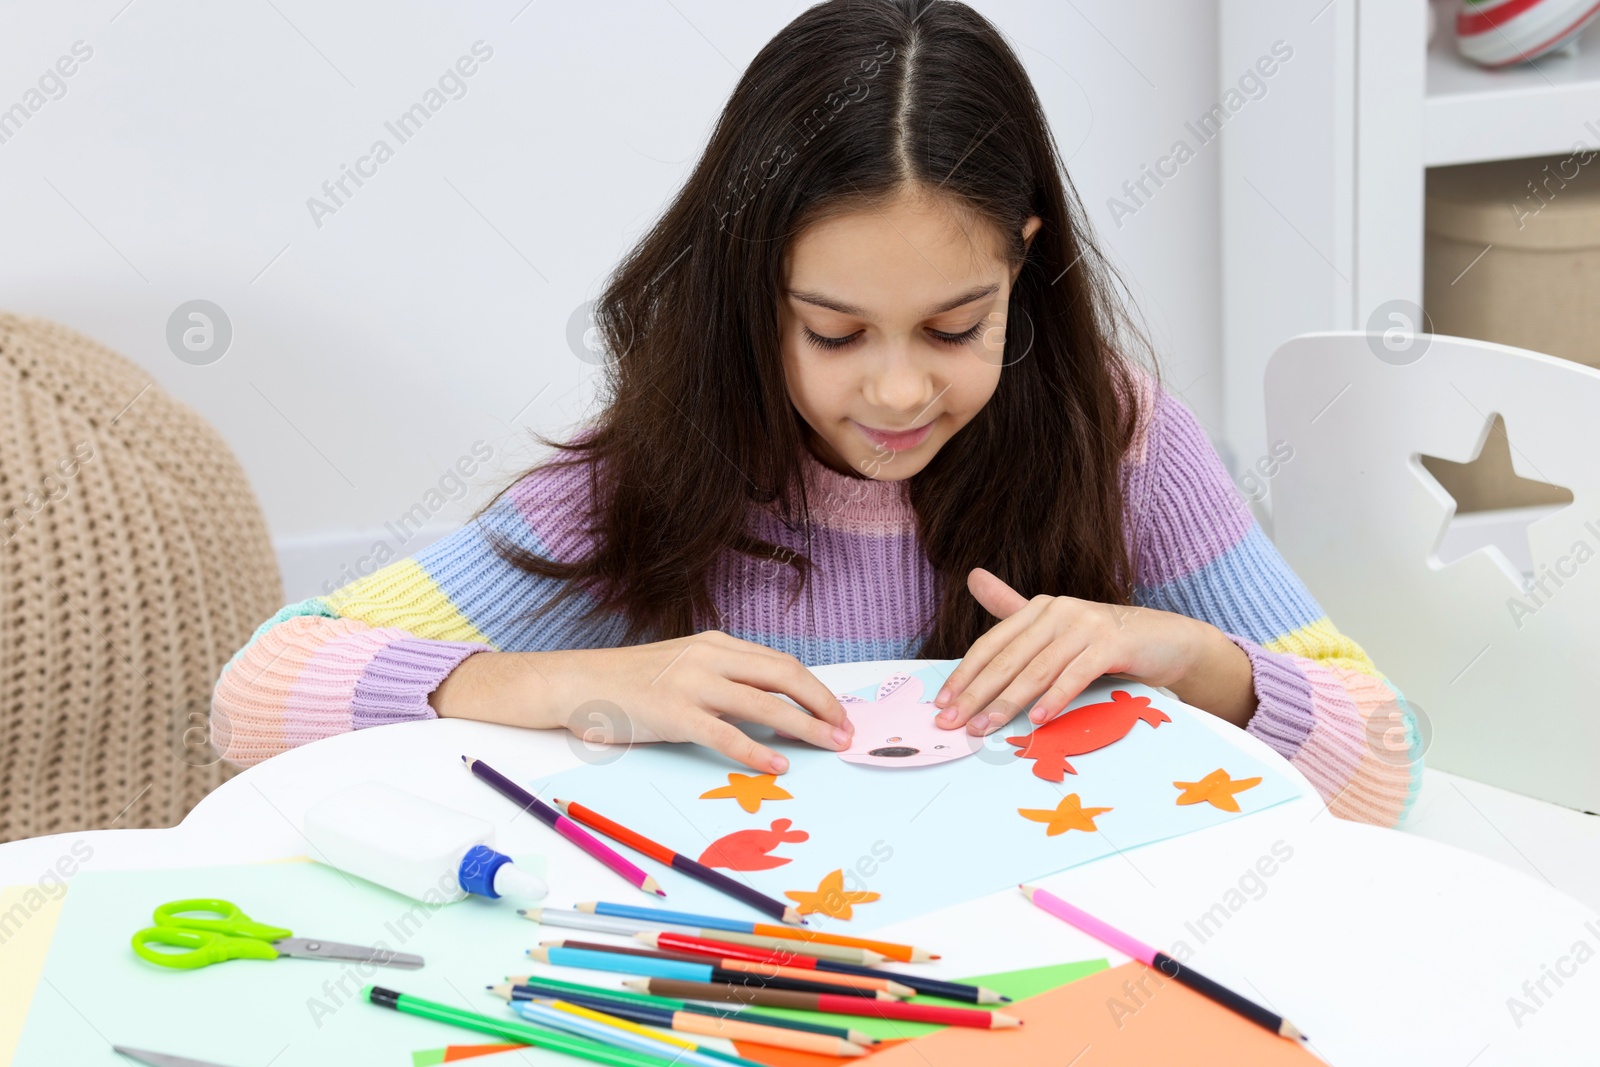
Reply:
x=636, y=876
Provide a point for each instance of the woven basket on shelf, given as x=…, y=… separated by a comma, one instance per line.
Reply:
x=134, y=561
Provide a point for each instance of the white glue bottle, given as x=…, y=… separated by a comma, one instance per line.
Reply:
x=413, y=846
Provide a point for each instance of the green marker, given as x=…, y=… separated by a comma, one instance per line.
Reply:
x=511, y=1030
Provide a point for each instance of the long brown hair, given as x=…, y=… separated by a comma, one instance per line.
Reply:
x=851, y=104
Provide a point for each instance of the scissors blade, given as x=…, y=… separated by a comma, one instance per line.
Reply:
x=309, y=948
x=161, y=1059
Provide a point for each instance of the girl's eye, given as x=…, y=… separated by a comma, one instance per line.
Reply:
x=826, y=342
x=959, y=338
x=952, y=339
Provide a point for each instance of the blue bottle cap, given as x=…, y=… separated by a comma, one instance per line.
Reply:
x=478, y=867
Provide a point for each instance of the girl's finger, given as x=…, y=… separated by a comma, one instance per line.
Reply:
x=985, y=648
x=784, y=674
x=1072, y=681
x=980, y=694
x=751, y=704
x=706, y=729
x=1033, y=678
x=1041, y=682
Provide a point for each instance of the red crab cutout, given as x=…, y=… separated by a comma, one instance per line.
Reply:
x=1082, y=730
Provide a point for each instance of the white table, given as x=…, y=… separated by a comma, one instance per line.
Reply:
x=1386, y=947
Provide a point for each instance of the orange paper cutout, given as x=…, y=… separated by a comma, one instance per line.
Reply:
x=1217, y=789
x=748, y=850
x=1070, y=814
x=749, y=790
x=830, y=898
x=1125, y=1015
x=1082, y=730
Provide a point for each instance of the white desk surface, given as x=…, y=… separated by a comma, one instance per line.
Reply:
x=1387, y=947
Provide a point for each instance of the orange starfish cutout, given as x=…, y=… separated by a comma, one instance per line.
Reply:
x=1070, y=814
x=1217, y=788
x=831, y=898
x=749, y=790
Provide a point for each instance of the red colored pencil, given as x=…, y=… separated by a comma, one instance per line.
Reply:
x=766, y=905
x=831, y=1003
x=754, y=968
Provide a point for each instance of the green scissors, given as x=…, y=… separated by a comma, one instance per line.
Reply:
x=210, y=931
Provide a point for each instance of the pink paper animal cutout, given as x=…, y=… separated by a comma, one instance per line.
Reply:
x=749, y=850
x=897, y=729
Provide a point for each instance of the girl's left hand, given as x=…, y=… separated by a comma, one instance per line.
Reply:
x=1052, y=647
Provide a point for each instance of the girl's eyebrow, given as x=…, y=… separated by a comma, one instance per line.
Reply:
x=850, y=309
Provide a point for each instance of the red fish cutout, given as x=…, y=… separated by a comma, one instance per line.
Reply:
x=747, y=850
x=1083, y=730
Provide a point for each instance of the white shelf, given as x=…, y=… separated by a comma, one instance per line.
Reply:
x=1473, y=115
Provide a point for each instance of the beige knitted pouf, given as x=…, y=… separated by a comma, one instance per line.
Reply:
x=135, y=561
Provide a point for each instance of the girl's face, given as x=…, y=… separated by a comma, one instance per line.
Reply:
x=893, y=333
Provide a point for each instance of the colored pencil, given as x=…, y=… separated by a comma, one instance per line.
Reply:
x=825, y=1002
x=766, y=905
x=603, y=1031
x=1160, y=961
x=705, y=1025
x=726, y=950
x=616, y=998
x=761, y=970
x=605, y=924
x=636, y=876
x=507, y=1028
x=904, y=953
x=690, y=972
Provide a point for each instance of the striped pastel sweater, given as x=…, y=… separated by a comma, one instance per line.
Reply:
x=374, y=650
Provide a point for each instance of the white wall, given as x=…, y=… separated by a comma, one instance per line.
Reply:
x=431, y=311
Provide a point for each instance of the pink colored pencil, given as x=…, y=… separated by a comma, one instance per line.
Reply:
x=1160, y=961
x=564, y=826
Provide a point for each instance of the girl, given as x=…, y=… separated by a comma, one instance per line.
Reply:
x=868, y=393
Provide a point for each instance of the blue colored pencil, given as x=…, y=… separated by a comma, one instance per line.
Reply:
x=611, y=1035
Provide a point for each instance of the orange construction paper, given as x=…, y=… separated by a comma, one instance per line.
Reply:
x=1126, y=1015
x=830, y=897
x=749, y=790
x=1070, y=814
x=773, y=1056
x=1217, y=789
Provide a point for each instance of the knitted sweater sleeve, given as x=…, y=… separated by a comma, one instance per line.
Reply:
x=1322, y=703
x=374, y=650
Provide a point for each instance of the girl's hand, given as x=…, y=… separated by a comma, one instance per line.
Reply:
x=687, y=689
x=1052, y=647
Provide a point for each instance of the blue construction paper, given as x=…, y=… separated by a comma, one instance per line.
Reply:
x=923, y=838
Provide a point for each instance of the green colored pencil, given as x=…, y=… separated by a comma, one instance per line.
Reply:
x=536, y=1036
x=729, y=1011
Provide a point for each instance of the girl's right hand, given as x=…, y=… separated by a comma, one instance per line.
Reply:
x=687, y=689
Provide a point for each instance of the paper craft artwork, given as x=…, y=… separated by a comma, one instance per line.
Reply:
x=1217, y=789
x=749, y=790
x=750, y=850
x=830, y=898
x=1070, y=814
x=897, y=729
x=1084, y=729
x=924, y=837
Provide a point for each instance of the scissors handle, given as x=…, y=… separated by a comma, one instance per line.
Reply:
x=204, y=947
x=228, y=919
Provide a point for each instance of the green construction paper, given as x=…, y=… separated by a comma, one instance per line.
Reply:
x=428, y=1057
x=245, y=1013
x=1017, y=985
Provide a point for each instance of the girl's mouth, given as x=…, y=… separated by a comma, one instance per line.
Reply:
x=897, y=441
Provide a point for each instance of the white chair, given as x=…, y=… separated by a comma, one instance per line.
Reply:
x=1504, y=665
